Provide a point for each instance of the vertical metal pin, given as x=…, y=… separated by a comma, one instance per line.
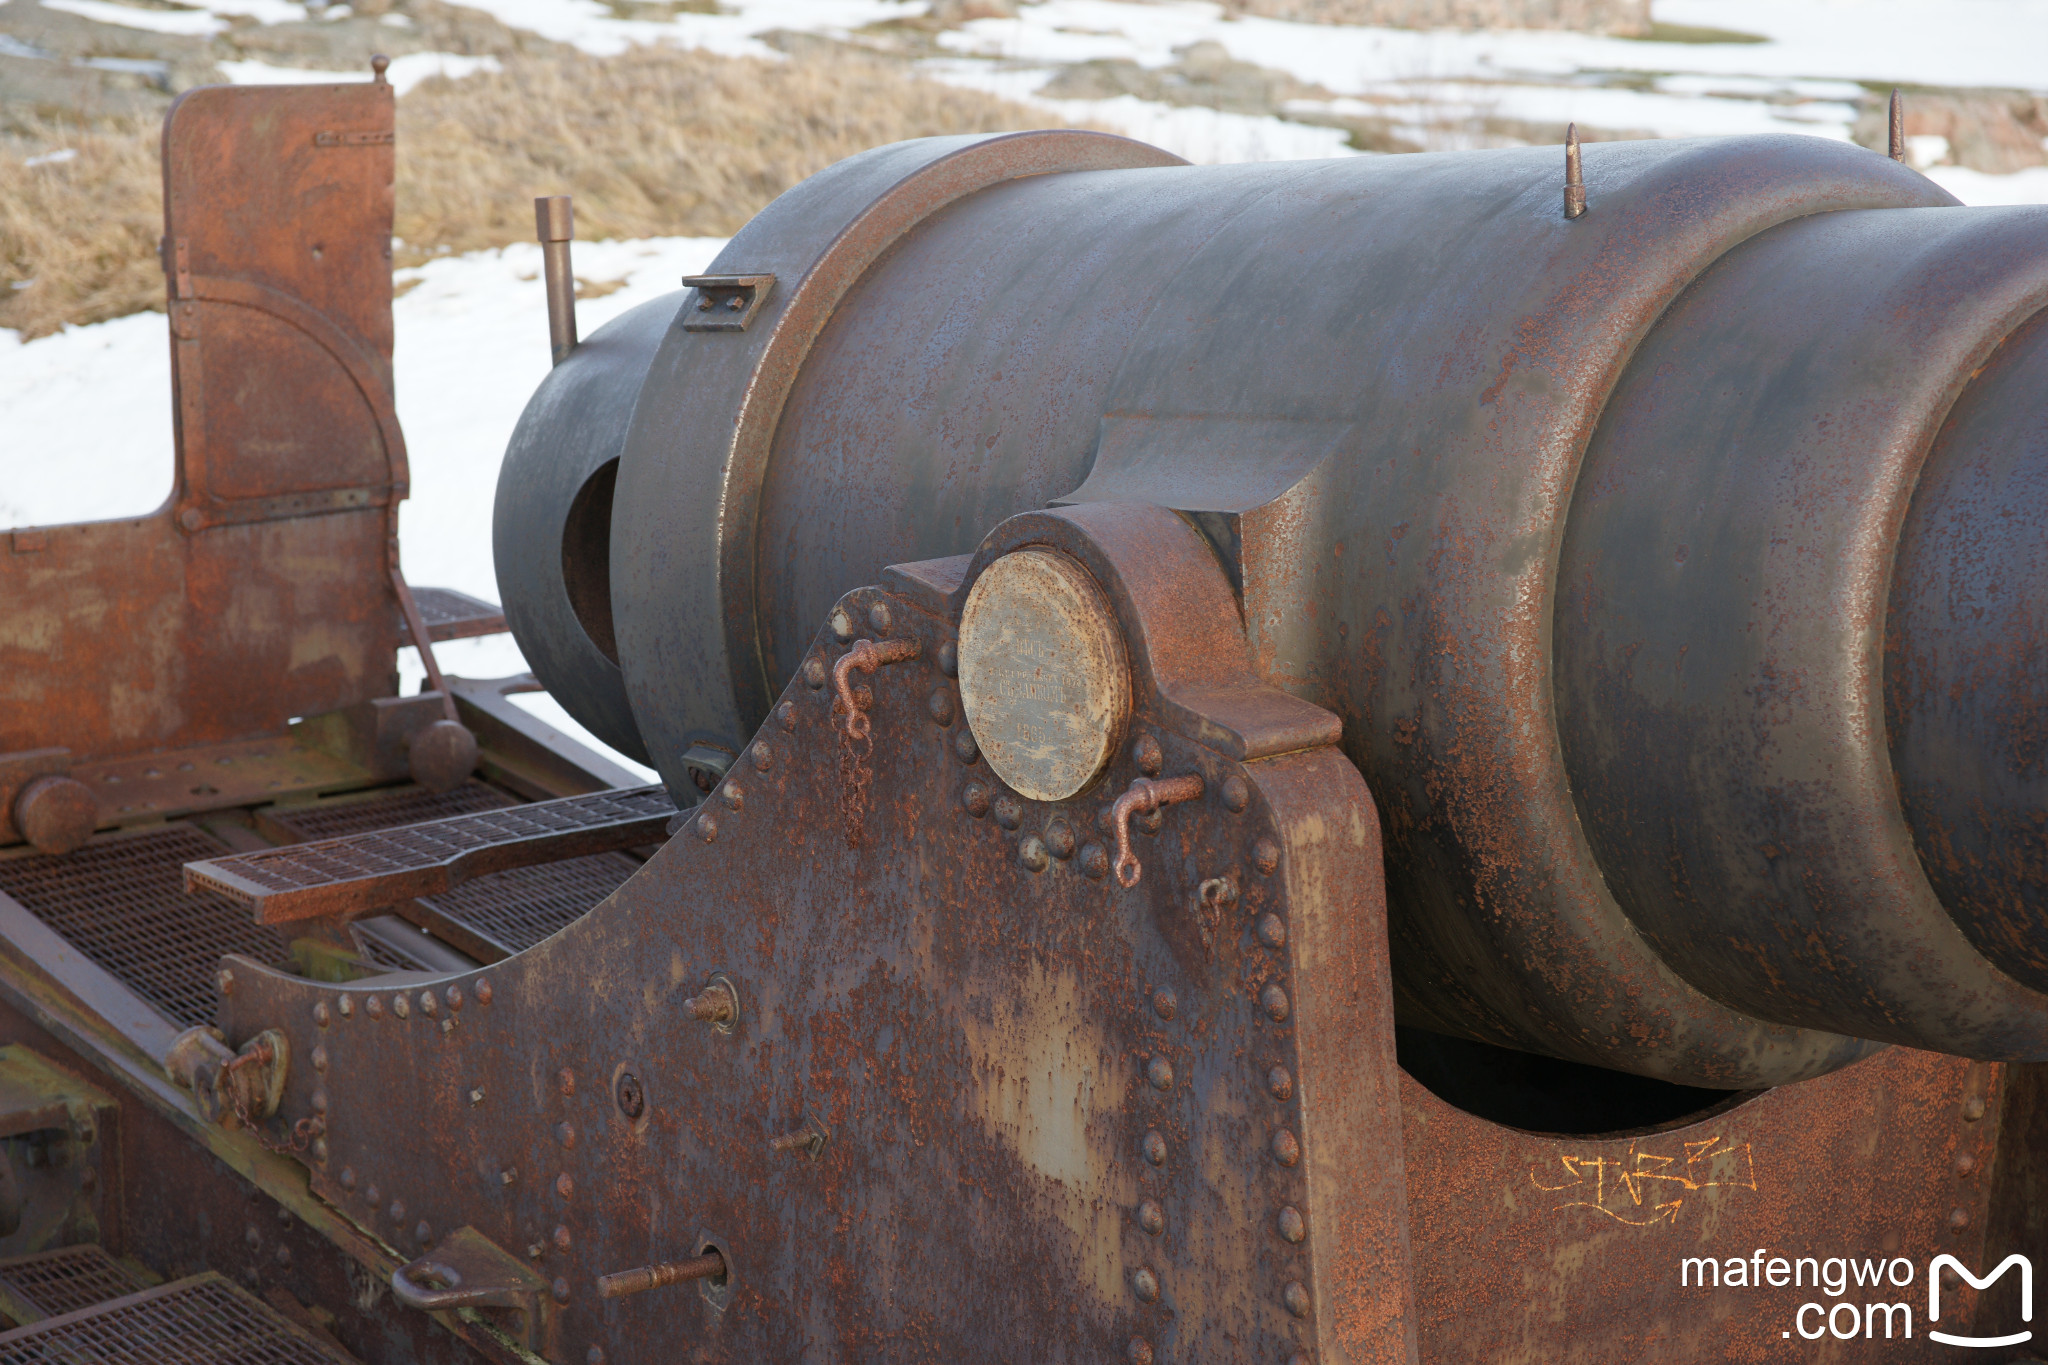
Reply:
x=379, y=64
x=555, y=221
x=1574, y=178
x=1898, y=139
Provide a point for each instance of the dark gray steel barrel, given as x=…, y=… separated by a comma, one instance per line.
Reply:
x=1370, y=382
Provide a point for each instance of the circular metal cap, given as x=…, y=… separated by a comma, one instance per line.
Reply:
x=1043, y=676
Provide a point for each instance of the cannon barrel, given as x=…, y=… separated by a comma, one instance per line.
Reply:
x=1676, y=568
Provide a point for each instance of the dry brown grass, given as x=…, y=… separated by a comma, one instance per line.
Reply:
x=655, y=142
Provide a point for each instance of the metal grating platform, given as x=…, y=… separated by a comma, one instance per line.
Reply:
x=121, y=902
x=451, y=615
x=62, y=1281
x=521, y=907
x=378, y=868
x=407, y=806
x=203, y=1320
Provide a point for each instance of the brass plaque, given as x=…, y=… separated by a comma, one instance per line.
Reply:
x=1043, y=677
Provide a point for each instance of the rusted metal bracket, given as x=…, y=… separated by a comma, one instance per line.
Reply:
x=725, y=303
x=469, y=1270
x=364, y=872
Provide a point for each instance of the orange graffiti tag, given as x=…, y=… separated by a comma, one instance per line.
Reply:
x=1642, y=1188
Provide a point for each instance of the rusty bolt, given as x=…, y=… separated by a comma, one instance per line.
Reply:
x=1009, y=811
x=476, y=1094
x=319, y=1058
x=1151, y=1217
x=453, y=996
x=1959, y=1219
x=253, y=1237
x=429, y=1006
x=1965, y=1163
x=483, y=992
x=1146, y=753
x=1145, y=1285
x=508, y=1176
x=1155, y=1148
x=1031, y=852
x=372, y=1195
x=565, y=1133
x=949, y=659
x=1273, y=1001
x=401, y=1008
x=1237, y=794
x=714, y=1006
x=1279, y=1084
x=1159, y=1071
x=763, y=756
x=1139, y=1352
x=1163, y=1003
x=374, y=1007
x=1286, y=1148
x=397, y=1210
x=1272, y=931
x=1292, y=1228
x=1295, y=1296
x=560, y=1289
x=842, y=624
x=536, y=1250
x=1973, y=1107
x=319, y=1101
x=348, y=1177
x=1265, y=856
x=1059, y=839
x=564, y=1186
x=964, y=747
x=1095, y=861
x=565, y=1081
x=707, y=827
x=940, y=706
x=319, y=1155
x=594, y=1356
x=975, y=798
x=347, y=1007
x=735, y=799
x=226, y=981
x=561, y=1237
x=423, y=1232
x=878, y=615
x=321, y=1015
x=631, y=1098
x=814, y=671
x=786, y=713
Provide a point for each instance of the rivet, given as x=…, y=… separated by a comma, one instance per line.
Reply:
x=974, y=797
x=483, y=992
x=1151, y=1217
x=1059, y=839
x=226, y=981
x=763, y=756
x=453, y=995
x=319, y=1058
x=321, y=1016
x=1094, y=861
x=1273, y=1001
x=707, y=827
x=1959, y=1219
x=1279, y=1084
x=949, y=659
x=398, y=1210
x=1298, y=1358
x=1295, y=1296
x=565, y=1133
x=1145, y=1285
x=940, y=706
x=1139, y=1352
x=735, y=799
x=561, y=1237
x=565, y=1081
x=348, y=1177
x=429, y=1006
x=964, y=747
x=374, y=1007
x=564, y=1185
x=423, y=1232
x=1031, y=852
x=401, y=1008
x=786, y=713
x=319, y=1101
x=476, y=1094
x=878, y=615
x=1147, y=755
x=1265, y=856
x=1272, y=931
x=347, y=1007
x=1009, y=811
x=507, y=1176
x=594, y=1356
x=1973, y=1109
x=842, y=624
x=1286, y=1148
x=1159, y=1071
x=1163, y=1003
x=814, y=671
x=1154, y=1148
x=372, y=1195
x=1292, y=1228
x=560, y=1289
x=1236, y=794
x=1965, y=1163
x=252, y=1237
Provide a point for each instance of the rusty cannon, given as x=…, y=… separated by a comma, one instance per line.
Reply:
x=1409, y=759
